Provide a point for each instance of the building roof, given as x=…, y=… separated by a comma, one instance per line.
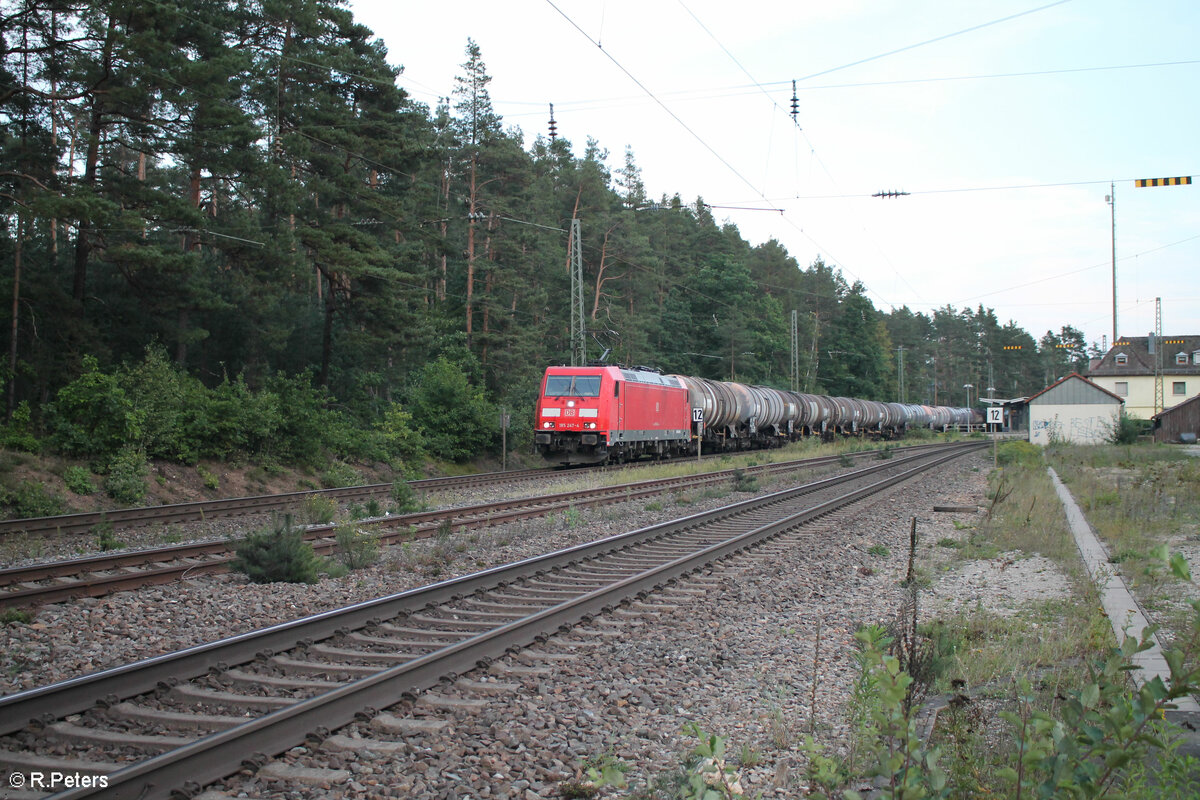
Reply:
x=1140, y=362
x=1076, y=376
x=1168, y=411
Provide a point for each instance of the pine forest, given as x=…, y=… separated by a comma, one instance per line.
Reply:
x=227, y=233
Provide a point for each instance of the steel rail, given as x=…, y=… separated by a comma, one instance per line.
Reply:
x=217, y=755
x=196, y=510
x=142, y=516
x=61, y=699
x=218, y=555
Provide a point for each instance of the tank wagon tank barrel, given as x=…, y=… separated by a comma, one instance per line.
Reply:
x=589, y=415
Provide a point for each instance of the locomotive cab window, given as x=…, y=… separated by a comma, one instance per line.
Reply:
x=573, y=386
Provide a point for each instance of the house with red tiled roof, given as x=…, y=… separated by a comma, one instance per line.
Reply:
x=1127, y=370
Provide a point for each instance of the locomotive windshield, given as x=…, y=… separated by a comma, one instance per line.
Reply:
x=573, y=386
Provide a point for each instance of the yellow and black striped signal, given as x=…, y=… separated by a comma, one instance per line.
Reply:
x=1184, y=181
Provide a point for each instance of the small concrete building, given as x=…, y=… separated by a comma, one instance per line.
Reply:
x=1180, y=423
x=1073, y=410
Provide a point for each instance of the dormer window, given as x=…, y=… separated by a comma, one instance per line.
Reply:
x=1122, y=359
x=1181, y=359
x=1196, y=357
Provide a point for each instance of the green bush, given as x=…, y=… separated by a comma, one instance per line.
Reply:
x=30, y=499
x=92, y=415
x=164, y=397
x=125, y=480
x=277, y=554
x=400, y=442
x=16, y=434
x=79, y=480
x=340, y=474
x=1125, y=430
x=454, y=418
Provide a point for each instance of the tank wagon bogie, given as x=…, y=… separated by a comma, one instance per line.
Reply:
x=590, y=415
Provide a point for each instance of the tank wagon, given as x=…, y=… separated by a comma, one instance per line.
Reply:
x=589, y=415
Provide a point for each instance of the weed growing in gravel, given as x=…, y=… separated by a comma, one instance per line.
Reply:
x=319, y=510
x=356, y=549
x=277, y=553
x=404, y=498
x=709, y=776
x=743, y=482
x=824, y=773
x=105, y=538
x=15, y=615
x=880, y=550
x=20, y=545
x=1090, y=737
x=572, y=517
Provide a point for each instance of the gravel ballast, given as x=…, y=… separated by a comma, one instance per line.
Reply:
x=732, y=651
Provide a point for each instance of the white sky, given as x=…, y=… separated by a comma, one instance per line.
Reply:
x=923, y=120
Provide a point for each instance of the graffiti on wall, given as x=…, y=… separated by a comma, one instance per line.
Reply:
x=1079, y=430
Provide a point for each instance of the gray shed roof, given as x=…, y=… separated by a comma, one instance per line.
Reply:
x=1074, y=390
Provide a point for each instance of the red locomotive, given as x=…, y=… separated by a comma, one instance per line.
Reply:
x=588, y=415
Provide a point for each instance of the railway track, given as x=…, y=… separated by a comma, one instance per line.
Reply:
x=171, y=724
x=144, y=516
x=99, y=575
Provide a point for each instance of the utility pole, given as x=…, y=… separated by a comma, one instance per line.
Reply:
x=795, y=360
x=900, y=380
x=1112, y=202
x=578, y=328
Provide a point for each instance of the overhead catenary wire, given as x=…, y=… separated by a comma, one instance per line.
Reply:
x=659, y=102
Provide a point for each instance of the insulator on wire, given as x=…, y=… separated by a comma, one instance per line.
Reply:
x=553, y=125
x=795, y=103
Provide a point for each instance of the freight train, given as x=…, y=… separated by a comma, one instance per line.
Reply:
x=590, y=415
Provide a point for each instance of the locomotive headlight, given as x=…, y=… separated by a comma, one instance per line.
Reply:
x=547, y=424
x=570, y=404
